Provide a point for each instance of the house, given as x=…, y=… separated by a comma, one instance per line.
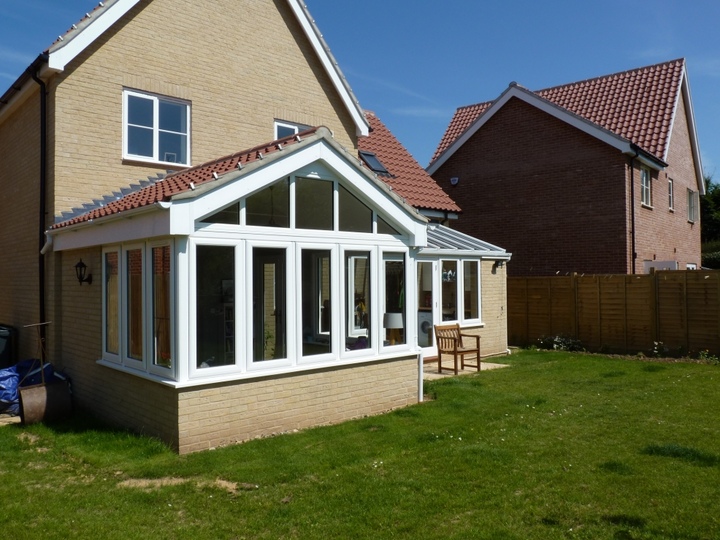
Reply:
x=218, y=299
x=597, y=176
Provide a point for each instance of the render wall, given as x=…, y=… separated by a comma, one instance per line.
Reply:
x=544, y=191
x=241, y=63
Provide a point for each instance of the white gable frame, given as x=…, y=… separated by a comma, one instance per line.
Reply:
x=516, y=91
x=692, y=131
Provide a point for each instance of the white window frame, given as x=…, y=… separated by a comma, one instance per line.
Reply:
x=692, y=205
x=645, y=187
x=156, y=100
x=477, y=319
x=115, y=358
x=293, y=126
x=388, y=255
x=671, y=195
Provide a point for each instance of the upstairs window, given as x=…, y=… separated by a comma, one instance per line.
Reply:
x=156, y=128
x=692, y=205
x=287, y=129
x=645, y=187
x=671, y=194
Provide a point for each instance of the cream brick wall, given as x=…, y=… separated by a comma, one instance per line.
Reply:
x=493, y=335
x=235, y=412
x=241, y=64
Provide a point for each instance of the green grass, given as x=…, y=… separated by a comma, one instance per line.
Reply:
x=560, y=445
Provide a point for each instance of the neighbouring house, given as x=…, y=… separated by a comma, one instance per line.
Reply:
x=280, y=286
x=597, y=176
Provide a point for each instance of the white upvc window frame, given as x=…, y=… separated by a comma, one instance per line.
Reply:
x=692, y=205
x=403, y=255
x=156, y=100
x=114, y=357
x=645, y=187
x=478, y=290
x=290, y=126
x=671, y=195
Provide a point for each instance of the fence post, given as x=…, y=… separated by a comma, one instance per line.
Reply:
x=654, y=311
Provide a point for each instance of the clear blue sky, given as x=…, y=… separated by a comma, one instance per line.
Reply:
x=414, y=62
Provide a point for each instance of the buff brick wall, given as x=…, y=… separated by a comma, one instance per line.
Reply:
x=234, y=412
x=240, y=63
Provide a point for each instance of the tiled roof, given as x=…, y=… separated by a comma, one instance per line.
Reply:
x=637, y=105
x=407, y=178
x=163, y=187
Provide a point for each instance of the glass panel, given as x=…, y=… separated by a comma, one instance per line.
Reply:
x=470, y=285
x=140, y=111
x=313, y=204
x=173, y=147
x=161, y=306
x=449, y=290
x=357, y=272
x=112, y=303
x=354, y=215
x=173, y=117
x=394, y=315
x=425, y=302
x=269, y=207
x=228, y=216
x=269, y=328
x=140, y=141
x=282, y=131
x=383, y=227
x=215, y=315
x=316, y=302
x=135, y=304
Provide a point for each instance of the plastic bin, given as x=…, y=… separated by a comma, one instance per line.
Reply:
x=8, y=346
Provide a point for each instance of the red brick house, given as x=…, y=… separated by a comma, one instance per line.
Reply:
x=597, y=176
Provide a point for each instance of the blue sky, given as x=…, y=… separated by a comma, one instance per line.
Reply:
x=414, y=62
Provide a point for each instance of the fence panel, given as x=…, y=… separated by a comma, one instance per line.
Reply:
x=619, y=313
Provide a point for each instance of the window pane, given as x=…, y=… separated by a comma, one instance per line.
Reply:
x=173, y=117
x=314, y=204
x=282, y=131
x=357, y=272
x=449, y=290
x=394, y=315
x=269, y=329
x=470, y=285
x=425, y=302
x=228, y=216
x=140, y=141
x=135, y=304
x=354, y=215
x=161, y=306
x=383, y=227
x=215, y=316
x=112, y=303
x=140, y=111
x=173, y=147
x=269, y=207
x=316, y=302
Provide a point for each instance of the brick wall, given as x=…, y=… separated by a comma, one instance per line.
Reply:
x=556, y=198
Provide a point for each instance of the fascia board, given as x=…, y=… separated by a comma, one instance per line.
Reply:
x=152, y=221
x=515, y=91
x=694, y=144
x=331, y=67
x=61, y=54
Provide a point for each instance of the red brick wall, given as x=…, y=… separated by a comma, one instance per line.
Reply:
x=556, y=198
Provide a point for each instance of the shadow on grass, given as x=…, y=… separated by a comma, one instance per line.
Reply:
x=690, y=455
x=616, y=467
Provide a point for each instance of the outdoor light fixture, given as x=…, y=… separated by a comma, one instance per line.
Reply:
x=80, y=269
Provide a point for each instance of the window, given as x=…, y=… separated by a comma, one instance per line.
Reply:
x=373, y=163
x=269, y=304
x=357, y=287
x=314, y=204
x=134, y=302
x=471, y=297
x=270, y=207
x=645, y=187
x=692, y=205
x=316, y=302
x=112, y=303
x=449, y=291
x=287, y=129
x=394, y=312
x=671, y=194
x=161, y=320
x=156, y=128
x=354, y=215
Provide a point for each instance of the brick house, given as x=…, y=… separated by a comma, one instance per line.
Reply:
x=597, y=176
x=231, y=297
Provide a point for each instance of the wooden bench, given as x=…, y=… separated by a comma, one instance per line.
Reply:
x=451, y=341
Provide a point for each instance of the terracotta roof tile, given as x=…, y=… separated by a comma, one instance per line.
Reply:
x=637, y=105
x=407, y=178
x=164, y=187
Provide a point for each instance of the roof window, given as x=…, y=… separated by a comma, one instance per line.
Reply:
x=373, y=162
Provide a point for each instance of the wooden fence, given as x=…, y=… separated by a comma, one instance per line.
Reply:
x=619, y=313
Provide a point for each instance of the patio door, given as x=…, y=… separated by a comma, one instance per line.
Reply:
x=269, y=301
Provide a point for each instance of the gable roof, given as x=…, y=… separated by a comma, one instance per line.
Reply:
x=82, y=34
x=636, y=106
x=406, y=177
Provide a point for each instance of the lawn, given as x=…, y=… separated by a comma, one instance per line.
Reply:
x=559, y=445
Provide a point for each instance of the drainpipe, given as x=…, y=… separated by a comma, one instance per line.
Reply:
x=632, y=205
x=42, y=207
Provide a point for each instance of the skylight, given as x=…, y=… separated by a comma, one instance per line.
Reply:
x=373, y=163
